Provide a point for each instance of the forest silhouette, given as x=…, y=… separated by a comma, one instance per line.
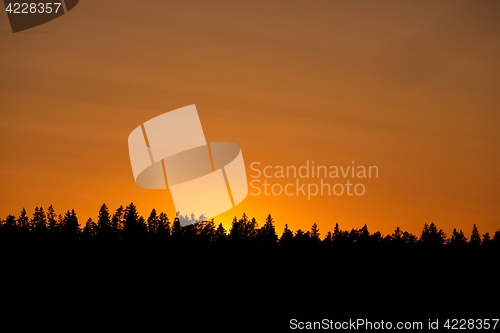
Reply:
x=253, y=274
x=127, y=226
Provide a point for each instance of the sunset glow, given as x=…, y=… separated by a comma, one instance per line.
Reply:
x=405, y=94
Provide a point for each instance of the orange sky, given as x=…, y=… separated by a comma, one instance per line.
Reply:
x=411, y=87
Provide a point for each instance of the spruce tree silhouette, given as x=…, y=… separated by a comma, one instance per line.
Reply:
x=244, y=231
x=52, y=226
x=458, y=240
x=132, y=225
x=23, y=222
x=363, y=237
x=39, y=222
x=176, y=231
x=486, y=242
x=251, y=229
x=190, y=233
x=431, y=237
x=235, y=232
x=70, y=229
x=220, y=235
x=286, y=238
x=396, y=239
x=298, y=238
x=153, y=224
x=340, y=239
x=90, y=230
x=51, y=221
x=475, y=238
x=327, y=242
x=9, y=229
x=104, y=229
x=117, y=221
x=315, y=235
x=409, y=239
x=376, y=239
x=337, y=233
x=207, y=233
x=163, y=232
x=267, y=234
x=353, y=237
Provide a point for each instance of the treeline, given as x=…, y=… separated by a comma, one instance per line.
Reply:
x=121, y=261
x=125, y=224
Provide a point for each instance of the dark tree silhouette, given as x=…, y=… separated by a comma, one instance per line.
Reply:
x=363, y=233
x=397, y=238
x=286, y=238
x=397, y=235
x=90, y=229
x=163, y=232
x=131, y=220
x=52, y=225
x=315, y=233
x=353, y=236
x=431, y=237
x=376, y=238
x=117, y=250
x=409, y=239
x=486, y=242
x=328, y=240
x=141, y=227
x=220, y=234
x=475, y=238
x=153, y=223
x=340, y=238
x=496, y=239
x=104, y=228
x=117, y=220
x=207, y=233
x=70, y=229
x=23, y=221
x=9, y=226
x=337, y=233
x=251, y=228
x=267, y=234
x=134, y=226
x=300, y=237
x=235, y=232
x=458, y=239
x=127, y=224
x=39, y=222
x=176, y=229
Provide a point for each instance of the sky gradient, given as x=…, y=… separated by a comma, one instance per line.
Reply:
x=411, y=87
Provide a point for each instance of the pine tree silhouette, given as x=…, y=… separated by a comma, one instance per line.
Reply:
x=475, y=238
